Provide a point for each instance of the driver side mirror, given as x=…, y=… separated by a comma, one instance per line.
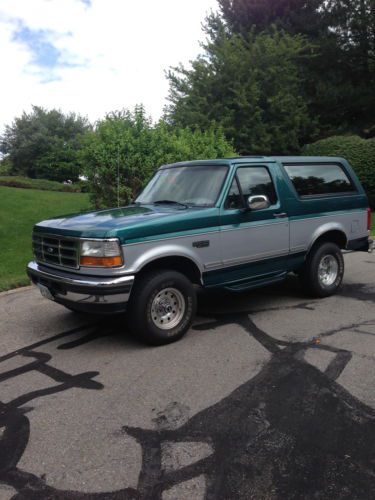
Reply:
x=258, y=202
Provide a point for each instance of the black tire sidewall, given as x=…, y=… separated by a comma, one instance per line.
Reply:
x=313, y=266
x=140, y=306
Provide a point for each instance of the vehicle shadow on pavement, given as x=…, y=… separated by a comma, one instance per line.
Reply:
x=289, y=432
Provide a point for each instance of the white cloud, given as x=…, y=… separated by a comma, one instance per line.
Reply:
x=111, y=54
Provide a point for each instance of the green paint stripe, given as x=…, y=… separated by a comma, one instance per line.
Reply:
x=317, y=215
x=168, y=236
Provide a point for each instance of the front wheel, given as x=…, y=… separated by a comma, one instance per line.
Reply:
x=73, y=309
x=323, y=271
x=162, y=306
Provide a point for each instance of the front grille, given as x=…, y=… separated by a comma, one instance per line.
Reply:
x=56, y=250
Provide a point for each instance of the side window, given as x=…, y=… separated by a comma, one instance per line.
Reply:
x=315, y=180
x=234, y=197
x=256, y=180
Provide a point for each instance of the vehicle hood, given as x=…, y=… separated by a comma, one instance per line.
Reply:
x=131, y=223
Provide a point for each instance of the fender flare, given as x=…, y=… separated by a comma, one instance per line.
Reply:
x=326, y=228
x=169, y=250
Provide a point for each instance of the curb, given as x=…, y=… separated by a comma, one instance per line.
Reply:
x=16, y=290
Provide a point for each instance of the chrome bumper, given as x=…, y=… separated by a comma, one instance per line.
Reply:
x=97, y=293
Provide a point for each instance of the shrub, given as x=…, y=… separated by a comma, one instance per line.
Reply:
x=131, y=143
x=5, y=166
x=359, y=152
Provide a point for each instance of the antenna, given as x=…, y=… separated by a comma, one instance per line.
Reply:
x=118, y=176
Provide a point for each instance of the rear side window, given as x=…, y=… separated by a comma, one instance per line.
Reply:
x=318, y=180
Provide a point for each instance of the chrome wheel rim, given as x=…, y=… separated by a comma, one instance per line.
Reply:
x=168, y=308
x=328, y=270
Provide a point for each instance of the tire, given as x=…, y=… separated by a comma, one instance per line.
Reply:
x=323, y=271
x=73, y=309
x=162, y=307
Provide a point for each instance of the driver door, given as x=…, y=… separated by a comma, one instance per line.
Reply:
x=254, y=243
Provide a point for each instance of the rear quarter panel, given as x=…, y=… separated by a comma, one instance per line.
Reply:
x=312, y=217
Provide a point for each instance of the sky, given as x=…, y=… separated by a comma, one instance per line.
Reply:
x=94, y=56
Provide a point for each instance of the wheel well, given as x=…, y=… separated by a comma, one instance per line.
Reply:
x=182, y=265
x=334, y=236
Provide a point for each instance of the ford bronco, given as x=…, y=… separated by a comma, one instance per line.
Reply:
x=236, y=223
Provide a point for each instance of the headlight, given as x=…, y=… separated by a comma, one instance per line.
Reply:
x=101, y=253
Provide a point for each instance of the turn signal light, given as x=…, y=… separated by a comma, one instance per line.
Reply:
x=369, y=219
x=101, y=253
x=101, y=261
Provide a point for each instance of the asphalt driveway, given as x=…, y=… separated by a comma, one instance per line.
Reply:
x=271, y=395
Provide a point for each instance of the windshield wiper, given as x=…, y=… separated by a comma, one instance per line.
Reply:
x=169, y=202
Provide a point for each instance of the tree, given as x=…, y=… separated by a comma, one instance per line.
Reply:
x=318, y=56
x=295, y=16
x=44, y=144
x=354, y=24
x=340, y=78
x=128, y=142
x=348, y=102
x=251, y=86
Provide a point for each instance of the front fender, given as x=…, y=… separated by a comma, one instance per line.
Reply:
x=138, y=256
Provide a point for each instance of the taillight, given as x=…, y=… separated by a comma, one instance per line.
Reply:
x=369, y=219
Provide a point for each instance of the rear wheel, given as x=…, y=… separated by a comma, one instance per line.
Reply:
x=162, y=306
x=323, y=271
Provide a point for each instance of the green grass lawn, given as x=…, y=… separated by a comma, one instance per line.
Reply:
x=20, y=209
x=372, y=232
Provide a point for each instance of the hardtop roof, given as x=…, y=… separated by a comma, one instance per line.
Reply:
x=257, y=159
x=308, y=159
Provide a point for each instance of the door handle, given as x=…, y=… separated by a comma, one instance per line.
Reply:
x=279, y=215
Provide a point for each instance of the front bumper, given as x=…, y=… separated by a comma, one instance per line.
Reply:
x=85, y=293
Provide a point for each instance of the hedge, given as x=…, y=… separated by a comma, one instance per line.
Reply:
x=359, y=152
x=41, y=184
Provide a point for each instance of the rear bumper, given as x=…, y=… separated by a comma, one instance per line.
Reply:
x=361, y=245
x=85, y=293
x=371, y=245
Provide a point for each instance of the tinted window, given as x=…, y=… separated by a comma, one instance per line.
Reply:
x=234, y=196
x=310, y=180
x=256, y=180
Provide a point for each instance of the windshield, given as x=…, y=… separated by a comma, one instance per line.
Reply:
x=194, y=185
